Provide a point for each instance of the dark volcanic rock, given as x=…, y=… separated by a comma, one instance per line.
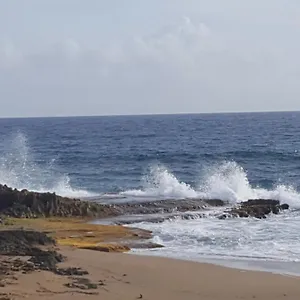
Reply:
x=22, y=242
x=165, y=206
x=27, y=243
x=27, y=204
x=284, y=206
x=46, y=260
x=258, y=208
x=215, y=202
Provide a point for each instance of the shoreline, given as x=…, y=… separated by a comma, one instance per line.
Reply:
x=123, y=276
x=131, y=275
x=50, y=250
x=284, y=268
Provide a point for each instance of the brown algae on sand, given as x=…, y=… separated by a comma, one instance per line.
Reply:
x=80, y=234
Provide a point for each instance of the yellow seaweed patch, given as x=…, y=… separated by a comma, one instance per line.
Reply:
x=80, y=234
x=83, y=244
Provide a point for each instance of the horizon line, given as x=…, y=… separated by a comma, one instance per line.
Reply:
x=150, y=114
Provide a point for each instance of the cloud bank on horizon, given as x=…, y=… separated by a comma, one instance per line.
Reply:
x=95, y=58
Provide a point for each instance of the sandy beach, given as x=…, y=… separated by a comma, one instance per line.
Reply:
x=125, y=276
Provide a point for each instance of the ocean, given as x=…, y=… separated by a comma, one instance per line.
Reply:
x=233, y=157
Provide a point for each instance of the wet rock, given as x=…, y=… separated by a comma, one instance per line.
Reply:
x=262, y=202
x=223, y=217
x=257, y=208
x=166, y=206
x=215, y=202
x=284, y=206
x=26, y=204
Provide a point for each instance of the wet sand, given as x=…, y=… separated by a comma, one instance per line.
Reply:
x=124, y=276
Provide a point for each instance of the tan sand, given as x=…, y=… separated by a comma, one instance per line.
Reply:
x=128, y=276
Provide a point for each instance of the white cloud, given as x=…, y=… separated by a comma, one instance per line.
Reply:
x=9, y=55
x=187, y=67
x=70, y=49
x=178, y=46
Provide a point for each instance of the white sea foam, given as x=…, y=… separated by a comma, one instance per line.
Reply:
x=273, y=239
x=20, y=169
x=227, y=181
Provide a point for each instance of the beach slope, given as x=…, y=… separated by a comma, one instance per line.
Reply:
x=124, y=276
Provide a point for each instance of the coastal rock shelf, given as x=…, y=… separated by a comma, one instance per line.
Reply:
x=26, y=204
x=65, y=220
x=166, y=206
x=159, y=211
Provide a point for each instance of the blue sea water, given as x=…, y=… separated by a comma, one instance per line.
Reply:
x=116, y=154
x=229, y=156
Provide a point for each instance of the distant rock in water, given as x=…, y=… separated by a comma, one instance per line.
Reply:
x=258, y=208
x=26, y=204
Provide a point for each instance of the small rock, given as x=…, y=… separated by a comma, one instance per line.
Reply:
x=284, y=206
x=257, y=208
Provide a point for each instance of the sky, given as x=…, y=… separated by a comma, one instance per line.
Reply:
x=74, y=57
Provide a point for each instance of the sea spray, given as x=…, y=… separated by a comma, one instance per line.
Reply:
x=19, y=168
x=160, y=182
x=227, y=181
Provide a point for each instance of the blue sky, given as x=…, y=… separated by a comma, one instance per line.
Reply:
x=74, y=57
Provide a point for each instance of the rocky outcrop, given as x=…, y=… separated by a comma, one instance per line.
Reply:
x=166, y=206
x=26, y=204
x=23, y=242
x=36, y=250
x=258, y=208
